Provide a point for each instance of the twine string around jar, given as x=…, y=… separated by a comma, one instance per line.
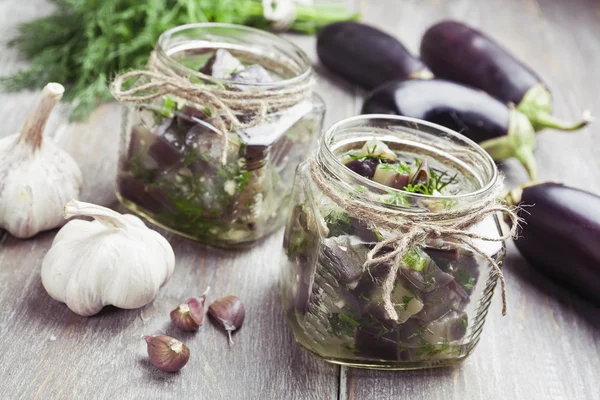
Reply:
x=413, y=229
x=225, y=104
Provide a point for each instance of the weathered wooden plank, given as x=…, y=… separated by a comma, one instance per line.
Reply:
x=548, y=346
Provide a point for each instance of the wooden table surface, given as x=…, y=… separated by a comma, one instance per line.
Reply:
x=548, y=347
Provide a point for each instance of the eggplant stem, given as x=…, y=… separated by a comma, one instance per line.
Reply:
x=33, y=129
x=544, y=120
x=536, y=104
x=526, y=157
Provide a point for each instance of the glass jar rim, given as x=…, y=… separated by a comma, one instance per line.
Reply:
x=325, y=147
x=304, y=63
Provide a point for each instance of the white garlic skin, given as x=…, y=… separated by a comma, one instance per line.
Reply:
x=113, y=260
x=37, y=178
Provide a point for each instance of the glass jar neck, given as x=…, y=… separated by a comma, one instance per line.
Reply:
x=255, y=46
x=451, y=148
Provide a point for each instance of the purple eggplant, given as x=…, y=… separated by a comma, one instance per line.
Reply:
x=366, y=56
x=459, y=53
x=503, y=132
x=561, y=235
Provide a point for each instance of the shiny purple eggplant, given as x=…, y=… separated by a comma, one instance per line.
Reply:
x=561, y=235
x=366, y=56
x=503, y=132
x=457, y=52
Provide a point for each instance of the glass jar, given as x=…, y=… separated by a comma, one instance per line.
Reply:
x=332, y=301
x=171, y=168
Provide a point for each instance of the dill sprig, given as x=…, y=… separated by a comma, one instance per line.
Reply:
x=85, y=43
x=437, y=183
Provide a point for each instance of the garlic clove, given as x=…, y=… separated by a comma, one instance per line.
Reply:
x=229, y=313
x=36, y=177
x=189, y=316
x=166, y=353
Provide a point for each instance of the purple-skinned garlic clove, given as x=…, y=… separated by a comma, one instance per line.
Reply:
x=229, y=313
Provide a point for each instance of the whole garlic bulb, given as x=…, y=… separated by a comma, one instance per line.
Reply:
x=113, y=260
x=36, y=177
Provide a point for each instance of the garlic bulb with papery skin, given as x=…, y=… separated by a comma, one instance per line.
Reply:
x=37, y=178
x=113, y=260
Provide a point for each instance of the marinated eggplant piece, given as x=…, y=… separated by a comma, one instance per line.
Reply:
x=222, y=65
x=152, y=199
x=345, y=255
x=372, y=344
x=168, y=150
x=423, y=272
x=441, y=301
x=393, y=175
x=366, y=167
x=453, y=326
x=252, y=74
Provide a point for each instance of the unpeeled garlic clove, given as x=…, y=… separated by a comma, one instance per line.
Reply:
x=189, y=316
x=228, y=312
x=166, y=353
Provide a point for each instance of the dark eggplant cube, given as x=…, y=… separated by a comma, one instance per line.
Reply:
x=135, y=190
x=429, y=278
x=450, y=328
x=410, y=333
x=361, y=230
x=371, y=282
x=192, y=114
x=168, y=150
x=439, y=302
x=365, y=167
x=444, y=257
x=375, y=308
x=377, y=344
x=400, y=181
x=345, y=256
x=252, y=74
x=467, y=273
x=255, y=153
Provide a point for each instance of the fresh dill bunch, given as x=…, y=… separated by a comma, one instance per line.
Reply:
x=84, y=44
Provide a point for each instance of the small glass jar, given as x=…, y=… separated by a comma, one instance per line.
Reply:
x=171, y=168
x=331, y=300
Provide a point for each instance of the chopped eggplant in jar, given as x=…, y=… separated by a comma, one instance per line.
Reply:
x=178, y=170
x=344, y=315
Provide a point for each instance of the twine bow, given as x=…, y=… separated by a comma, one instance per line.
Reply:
x=226, y=104
x=413, y=229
